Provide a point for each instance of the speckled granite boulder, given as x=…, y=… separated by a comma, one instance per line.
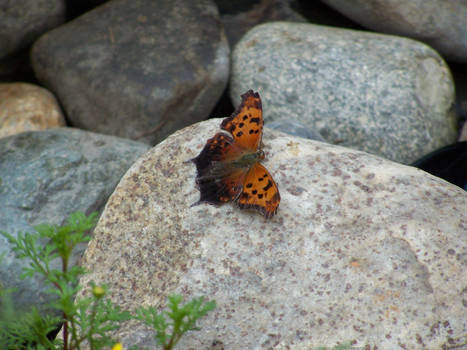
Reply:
x=136, y=69
x=362, y=249
x=441, y=24
x=381, y=94
x=27, y=107
x=45, y=176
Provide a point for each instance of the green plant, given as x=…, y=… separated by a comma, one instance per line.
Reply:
x=24, y=329
x=86, y=320
x=182, y=319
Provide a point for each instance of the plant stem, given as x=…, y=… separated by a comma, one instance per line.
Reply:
x=93, y=318
x=65, y=316
x=65, y=332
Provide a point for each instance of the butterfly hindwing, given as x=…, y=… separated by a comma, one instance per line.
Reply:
x=221, y=189
x=259, y=192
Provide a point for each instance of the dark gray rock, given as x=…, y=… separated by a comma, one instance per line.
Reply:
x=137, y=69
x=441, y=24
x=240, y=16
x=23, y=21
x=45, y=176
x=382, y=94
x=463, y=134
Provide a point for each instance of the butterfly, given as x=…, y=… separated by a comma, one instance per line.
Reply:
x=228, y=167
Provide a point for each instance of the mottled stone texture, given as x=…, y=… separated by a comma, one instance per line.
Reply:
x=382, y=94
x=27, y=107
x=439, y=23
x=362, y=249
x=23, y=21
x=137, y=69
x=45, y=176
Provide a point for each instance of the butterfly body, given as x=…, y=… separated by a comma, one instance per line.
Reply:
x=228, y=167
x=248, y=159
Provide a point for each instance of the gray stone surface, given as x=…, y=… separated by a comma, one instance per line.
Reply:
x=137, y=69
x=23, y=21
x=382, y=94
x=362, y=249
x=463, y=133
x=295, y=128
x=45, y=176
x=441, y=24
x=241, y=15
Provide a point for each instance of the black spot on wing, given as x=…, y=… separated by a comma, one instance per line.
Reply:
x=255, y=120
x=268, y=186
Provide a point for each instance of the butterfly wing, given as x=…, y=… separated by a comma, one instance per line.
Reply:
x=259, y=192
x=217, y=180
x=220, y=189
x=224, y=170
x=246, y=123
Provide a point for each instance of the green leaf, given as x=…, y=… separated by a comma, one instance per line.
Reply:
x=157, y=321
x=29, y=329
x=182, y=318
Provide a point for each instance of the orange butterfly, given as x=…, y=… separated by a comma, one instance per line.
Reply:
x=228, y=167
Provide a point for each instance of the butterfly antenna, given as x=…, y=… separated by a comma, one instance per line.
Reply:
x=196, y=203
x=189, y=160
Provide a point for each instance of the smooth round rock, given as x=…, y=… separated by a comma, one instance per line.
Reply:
x=440, y=24
x=27, y=107
x=382, y=94
x=44, y=177
x=362, y=250
x=136, y=69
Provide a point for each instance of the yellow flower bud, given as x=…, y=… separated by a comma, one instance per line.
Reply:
x=117, y=346
x=98, y=291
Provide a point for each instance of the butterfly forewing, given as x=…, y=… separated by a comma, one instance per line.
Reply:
x=218, y=149
x=246, y=123
x=217, y=181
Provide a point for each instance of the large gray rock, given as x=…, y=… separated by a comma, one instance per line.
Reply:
x=382, y=94
x=23, y=21
x=441, y=24
x=362, y=249
x=137, y=69
x=45, y=176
